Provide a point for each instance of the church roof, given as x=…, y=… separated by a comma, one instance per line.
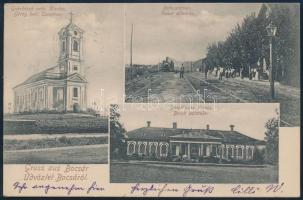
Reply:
x=72, y=26
x=157, y=133
x=49, y=73
x=53, y=73
x=75, y=77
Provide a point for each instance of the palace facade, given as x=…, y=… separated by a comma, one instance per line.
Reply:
x=191, y=143
x=61, y=87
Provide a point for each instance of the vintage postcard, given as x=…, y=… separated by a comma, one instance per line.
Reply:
x=151, y=100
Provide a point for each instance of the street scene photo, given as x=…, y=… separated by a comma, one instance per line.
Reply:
x=222, y=53
x=182, y=143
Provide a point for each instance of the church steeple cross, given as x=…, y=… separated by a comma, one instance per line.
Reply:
x=71, y=17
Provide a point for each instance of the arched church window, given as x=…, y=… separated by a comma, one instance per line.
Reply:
x=63, y=46
x=75, y=45
x=75, y=93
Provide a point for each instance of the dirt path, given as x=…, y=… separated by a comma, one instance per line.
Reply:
x=89, y=154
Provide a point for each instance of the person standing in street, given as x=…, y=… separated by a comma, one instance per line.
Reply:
x=221, y=73
x=182, y=72
x=206, y=70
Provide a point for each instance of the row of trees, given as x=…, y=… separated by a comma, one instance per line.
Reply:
x=248, y=44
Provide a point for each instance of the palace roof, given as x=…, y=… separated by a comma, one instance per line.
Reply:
x=157, y=133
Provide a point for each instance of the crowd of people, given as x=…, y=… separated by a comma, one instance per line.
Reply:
x=226, y=72
x=229, y=72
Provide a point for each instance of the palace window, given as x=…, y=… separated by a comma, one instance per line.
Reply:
x=141, y=148
x=75, y=67
x=250, y=153
x=131, y=148
x=230, y=152
x=163, y=150
x=152, y=149
x=240, y=155
x=75, y=45
x=75, y=92
x=213, y=150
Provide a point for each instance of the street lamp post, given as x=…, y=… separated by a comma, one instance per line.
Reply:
x=271, y=31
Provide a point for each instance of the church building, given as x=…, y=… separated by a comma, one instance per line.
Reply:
x=59, y=88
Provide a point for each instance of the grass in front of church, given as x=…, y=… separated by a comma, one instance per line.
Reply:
x=62, y=141
x=54, y=123
x=160, y=173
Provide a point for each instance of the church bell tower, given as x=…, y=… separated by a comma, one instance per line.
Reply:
x=71, y=41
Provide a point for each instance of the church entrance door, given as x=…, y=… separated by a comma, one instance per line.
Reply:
x=76, y=107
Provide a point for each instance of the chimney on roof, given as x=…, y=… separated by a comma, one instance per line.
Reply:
x=148, y=123
x=175, y=125
x=207, y=126
x=232, y=127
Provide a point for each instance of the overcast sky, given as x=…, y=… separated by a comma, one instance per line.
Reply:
x=31, y=41
x=181, y=31
x=248, y=118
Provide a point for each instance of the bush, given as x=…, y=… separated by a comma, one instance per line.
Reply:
x=176, y=158
x=200, y=159
x=259, y=156
x=211, y=159
x=134, y=156
x=141, y=157
x=153, y=156
x=63, y=139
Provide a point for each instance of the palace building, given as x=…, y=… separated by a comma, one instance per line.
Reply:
x=192, y=143
x=61, y=87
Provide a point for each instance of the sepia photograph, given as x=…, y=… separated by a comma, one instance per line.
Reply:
x=151, y=99
x=214, y=52
x=56, y=68
x=177, y=143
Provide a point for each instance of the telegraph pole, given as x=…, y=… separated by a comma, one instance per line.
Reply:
x=271, y=31
x=131, y=54
x=271, y=75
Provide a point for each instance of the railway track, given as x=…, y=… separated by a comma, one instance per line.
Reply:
x=209, y=86
x=282, y=122
x=135, y=90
